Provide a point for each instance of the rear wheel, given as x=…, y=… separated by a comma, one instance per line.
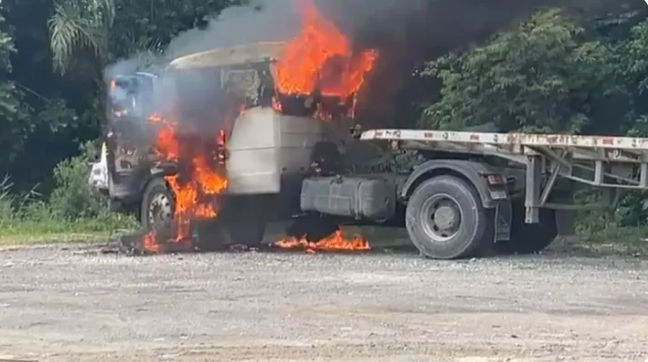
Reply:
x=157, y=205
x=446, y=220
x=529, y=238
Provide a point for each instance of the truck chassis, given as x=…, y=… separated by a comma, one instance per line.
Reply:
x=479, y=191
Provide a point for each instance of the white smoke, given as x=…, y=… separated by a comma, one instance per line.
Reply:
x=262, y=20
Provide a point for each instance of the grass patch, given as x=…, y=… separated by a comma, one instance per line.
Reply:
x=580, y=246
x=26, y=232
x=608, y=241
x=72, y=211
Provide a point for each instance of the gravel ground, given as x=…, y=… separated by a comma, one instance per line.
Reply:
x=74, y=304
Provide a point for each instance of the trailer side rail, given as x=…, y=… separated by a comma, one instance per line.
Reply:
x=507, y=139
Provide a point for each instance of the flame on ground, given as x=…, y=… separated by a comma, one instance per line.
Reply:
x=333, y=243
x=320, y=59
x=150, y=244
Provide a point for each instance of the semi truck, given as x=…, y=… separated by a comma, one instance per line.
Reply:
x=470, y=192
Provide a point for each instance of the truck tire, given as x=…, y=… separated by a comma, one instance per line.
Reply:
x=157, y=204
x=529, y=238
x=445, y=219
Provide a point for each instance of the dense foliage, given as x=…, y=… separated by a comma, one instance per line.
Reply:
x=11, y=113
x=550, y=73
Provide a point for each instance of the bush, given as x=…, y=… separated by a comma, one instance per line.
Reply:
x=74, y=201
x=72, y=208
x=12, y=206
x=7, y=215
x=72, y=198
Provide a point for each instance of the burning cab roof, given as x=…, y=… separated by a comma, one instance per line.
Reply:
x=239, y=54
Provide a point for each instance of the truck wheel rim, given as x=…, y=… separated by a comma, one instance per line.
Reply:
x=441, y=217
x=159, y=209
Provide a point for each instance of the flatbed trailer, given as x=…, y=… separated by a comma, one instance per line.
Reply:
x=476, y=171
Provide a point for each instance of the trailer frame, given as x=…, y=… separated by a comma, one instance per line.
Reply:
x=612, y=164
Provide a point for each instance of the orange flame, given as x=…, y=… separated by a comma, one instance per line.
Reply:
x=192, y=187
x=320, y=59
x=332, y=243
x=150, y=244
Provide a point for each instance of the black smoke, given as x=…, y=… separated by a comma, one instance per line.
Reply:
x=408, y=33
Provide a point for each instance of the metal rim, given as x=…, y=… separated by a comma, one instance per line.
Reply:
x=159, y=210
x=441, y=217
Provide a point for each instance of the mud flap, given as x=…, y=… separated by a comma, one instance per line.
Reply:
x=503, y=218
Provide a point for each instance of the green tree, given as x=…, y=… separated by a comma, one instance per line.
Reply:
x=12, y=114
x=544, y=75
x=80, y=27
x=100, y=31
x=633, y=69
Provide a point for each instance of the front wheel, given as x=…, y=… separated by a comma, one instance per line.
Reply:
x=446, y=220
x=157, y=205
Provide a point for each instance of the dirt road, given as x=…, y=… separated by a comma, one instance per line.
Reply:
x=78, y=305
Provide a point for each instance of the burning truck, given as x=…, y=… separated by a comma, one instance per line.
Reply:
x=259, y=144
x=214, y=165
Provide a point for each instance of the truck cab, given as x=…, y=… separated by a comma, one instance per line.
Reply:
x=267, y=152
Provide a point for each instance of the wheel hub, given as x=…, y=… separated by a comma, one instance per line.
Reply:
x=446, y=217
x=159, y=210
x=441, y=219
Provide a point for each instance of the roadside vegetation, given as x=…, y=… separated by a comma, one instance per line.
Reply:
x=71, y=212
x=550, y=73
